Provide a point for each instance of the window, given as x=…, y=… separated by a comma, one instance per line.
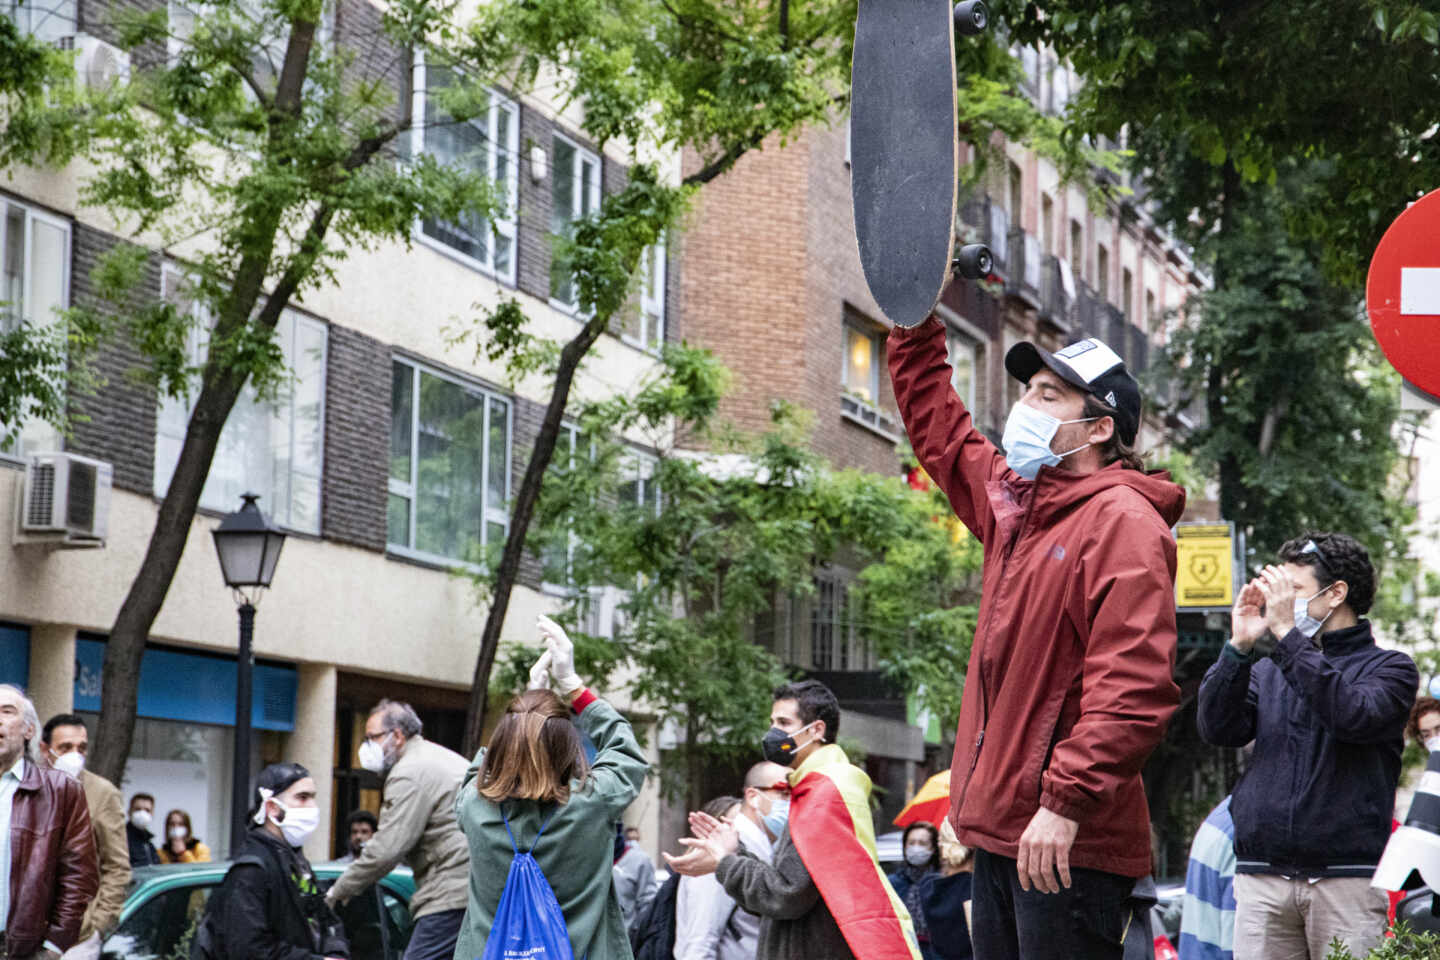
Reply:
x=273, y=447
x=1013, y=387
x=1127, y=294
x=1017, y=192
x=486, y=145
x=647, y=329
x=964, y=356
x=45, y=20
x=449, y=466
x=1047, y=224
x=1077, y=249
x=640, y=486
x=574, y=195
x=34, y=284
x=161, y=924
x=557, y=558
x=837, y=635
x=1152, y=316
x=862, y=364
x=1102, y=272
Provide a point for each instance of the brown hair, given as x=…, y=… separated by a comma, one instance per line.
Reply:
x=1423, y=706
x=1115, y=448
x=534, y=753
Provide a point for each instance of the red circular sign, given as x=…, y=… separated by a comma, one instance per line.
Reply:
x=1402, y=293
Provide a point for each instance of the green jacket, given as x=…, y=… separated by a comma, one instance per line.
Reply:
x=578, y=848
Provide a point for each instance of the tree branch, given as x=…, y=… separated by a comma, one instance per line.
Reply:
x=726, y=160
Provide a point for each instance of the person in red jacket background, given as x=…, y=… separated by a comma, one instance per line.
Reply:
x=1069, y=685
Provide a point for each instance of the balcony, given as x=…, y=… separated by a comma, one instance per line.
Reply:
x=1058, y=295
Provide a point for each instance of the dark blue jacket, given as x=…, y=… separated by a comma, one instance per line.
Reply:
x=1328, y=725
x=944, y=899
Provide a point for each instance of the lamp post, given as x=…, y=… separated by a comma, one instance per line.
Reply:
x=249, y=547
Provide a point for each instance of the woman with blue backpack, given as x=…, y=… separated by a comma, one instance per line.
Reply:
x=540, y=821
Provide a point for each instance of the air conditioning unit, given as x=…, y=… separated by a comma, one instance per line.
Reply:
x=98, y=65
x=65, y=501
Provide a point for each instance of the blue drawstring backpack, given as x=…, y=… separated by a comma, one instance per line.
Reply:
x=528, y=922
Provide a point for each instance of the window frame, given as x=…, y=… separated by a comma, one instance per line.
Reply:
x=32, y=214
x=572, y=435
x=852, y=328
x=10, y=9
x=655, y=266
x=507, y=226
x=596, y=193
x=200, y=317
x=490, y=515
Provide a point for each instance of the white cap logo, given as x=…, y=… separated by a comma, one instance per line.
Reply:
x=1110, y=398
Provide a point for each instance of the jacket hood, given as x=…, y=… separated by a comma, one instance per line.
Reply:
x=1056, y=490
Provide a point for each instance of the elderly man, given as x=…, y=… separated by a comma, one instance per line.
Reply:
x=417, y=825
x=65, y=743
x=48, y=868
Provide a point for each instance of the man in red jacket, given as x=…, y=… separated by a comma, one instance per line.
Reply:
x=1069, y=685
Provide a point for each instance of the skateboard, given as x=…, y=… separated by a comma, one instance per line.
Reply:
x=904, y=151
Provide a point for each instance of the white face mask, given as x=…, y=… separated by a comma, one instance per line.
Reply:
x=178, y=833
x=917, y=855
x=1433, y=743
x=372, y=756
x=298, y=824
x=70, y=763
x=1306, y=624
x=1028, y=433
x=141, y=818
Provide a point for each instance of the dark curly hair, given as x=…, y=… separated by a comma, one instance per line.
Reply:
x=1335, y=556
x=1423, y=706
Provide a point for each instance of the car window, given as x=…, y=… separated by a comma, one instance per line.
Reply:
x=363, y=927
x=156, y=930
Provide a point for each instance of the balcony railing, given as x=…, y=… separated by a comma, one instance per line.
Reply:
x=1025, y=262
x=989, y=224
x=1057, y=294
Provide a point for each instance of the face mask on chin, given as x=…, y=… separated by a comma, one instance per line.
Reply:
x=1028, y=435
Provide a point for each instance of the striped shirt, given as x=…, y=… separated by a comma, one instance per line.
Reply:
x=1207, y=927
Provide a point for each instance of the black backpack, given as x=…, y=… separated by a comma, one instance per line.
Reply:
x=653, y=937
x=204, y=945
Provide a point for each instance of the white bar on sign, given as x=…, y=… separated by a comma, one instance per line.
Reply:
x=1419, y=290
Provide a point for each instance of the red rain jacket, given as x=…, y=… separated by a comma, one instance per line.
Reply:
x=1070, y=682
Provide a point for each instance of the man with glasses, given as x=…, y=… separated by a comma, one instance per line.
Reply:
x=1326, y=711
x=417, y=825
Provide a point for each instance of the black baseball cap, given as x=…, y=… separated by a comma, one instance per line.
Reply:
x=1090, y=365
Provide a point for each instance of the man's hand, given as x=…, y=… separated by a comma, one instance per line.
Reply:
x=1247, y=623
x=1279, y=595
x=695, y=862
x=713, y=842
x=1044, y=850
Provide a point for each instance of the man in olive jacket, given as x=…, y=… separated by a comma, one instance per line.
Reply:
x=417, y=825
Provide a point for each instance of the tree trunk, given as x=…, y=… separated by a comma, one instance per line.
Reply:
x=1231, y=478
x=220, y=389
x=528, y=496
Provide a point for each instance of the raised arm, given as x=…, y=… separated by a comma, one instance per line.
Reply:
x=1361, y=710
x=953, y=452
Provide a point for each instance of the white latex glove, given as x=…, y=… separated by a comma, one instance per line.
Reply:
x=562, y=655
x=540, y=673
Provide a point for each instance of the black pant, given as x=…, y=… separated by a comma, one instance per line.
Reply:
x=1090, y=920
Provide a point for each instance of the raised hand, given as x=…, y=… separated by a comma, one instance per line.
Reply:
x=1247, y=623
x=540, y=672
x=562, y=655
x=1279, y=593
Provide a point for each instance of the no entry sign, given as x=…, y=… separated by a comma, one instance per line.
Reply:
x=1402, y=293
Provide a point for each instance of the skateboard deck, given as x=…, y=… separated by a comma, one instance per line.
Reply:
x=904, y=152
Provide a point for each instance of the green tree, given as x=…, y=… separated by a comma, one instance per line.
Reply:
x=703, y=567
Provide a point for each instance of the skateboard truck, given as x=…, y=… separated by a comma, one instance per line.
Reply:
x=974, y=262
x=971, y=18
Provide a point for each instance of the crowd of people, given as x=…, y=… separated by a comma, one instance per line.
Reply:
x=1046, y=852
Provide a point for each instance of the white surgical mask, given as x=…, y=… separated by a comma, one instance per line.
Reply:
x=141, y=818
x=372, y=756
x=917, y=855
x=1306, y=624
x=1433, y=743
x=1028, y=433
x=178, y=833
x=298, y=824
x=70, y=763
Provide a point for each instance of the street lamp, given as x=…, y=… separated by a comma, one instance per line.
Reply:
x=249, y=547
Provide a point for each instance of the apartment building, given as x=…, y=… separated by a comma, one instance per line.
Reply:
x=773, y=285
x=390, y=456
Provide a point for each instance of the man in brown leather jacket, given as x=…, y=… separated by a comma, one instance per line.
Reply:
x=49, y=872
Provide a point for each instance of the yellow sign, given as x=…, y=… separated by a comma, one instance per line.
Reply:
x=1204, y=575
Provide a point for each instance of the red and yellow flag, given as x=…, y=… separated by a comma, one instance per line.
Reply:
x=831, y=828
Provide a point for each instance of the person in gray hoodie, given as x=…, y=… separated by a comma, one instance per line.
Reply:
x=417, y=825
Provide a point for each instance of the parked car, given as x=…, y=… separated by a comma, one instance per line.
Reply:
x=164, y=906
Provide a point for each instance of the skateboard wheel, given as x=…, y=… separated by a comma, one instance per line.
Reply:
x=974, y=261
x=971, y=17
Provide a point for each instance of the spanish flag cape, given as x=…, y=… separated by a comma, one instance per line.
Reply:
x=832, y=831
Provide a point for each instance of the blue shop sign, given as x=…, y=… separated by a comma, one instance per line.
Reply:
x=14, y=655
x=192, y=687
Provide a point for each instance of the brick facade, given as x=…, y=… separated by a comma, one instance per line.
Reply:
x=117, y=423
x=357, y=439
